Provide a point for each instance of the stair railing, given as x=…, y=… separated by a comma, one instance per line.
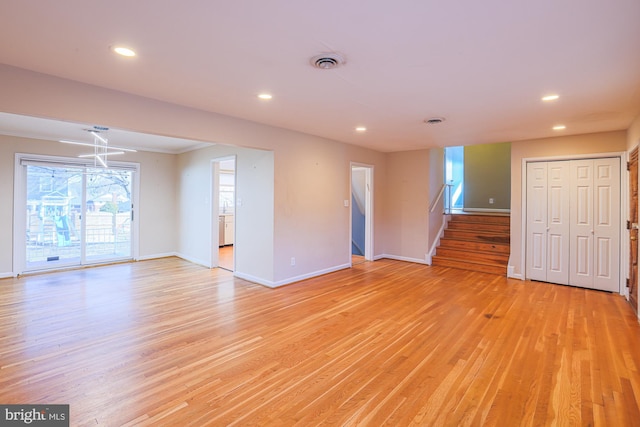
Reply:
x=447, y=204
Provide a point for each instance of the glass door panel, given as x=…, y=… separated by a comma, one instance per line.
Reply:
x=108, y=214
x=53, y=230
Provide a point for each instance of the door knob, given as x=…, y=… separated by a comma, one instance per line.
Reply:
x=633, y=238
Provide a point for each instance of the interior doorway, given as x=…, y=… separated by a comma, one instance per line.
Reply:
x=454, y=178
x=223, y=213
x=361, y=213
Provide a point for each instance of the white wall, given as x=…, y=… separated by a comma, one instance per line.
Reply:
x=253, y=242
x=156, y=207
x=157, y=203
x=312, y=181
x=633, y=134
x=293, y=205
x=436, y=180
x=407, y=205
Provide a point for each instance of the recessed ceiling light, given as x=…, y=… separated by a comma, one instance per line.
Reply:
x=551, y=97
x=124, y=51
x=361, y=129
x=265, y=96
x=559, y=127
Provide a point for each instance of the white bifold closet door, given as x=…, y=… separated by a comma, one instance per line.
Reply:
x=573, y=222
x=595, y=225
x=548, y=222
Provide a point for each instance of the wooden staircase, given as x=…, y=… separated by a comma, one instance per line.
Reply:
x=476, y=243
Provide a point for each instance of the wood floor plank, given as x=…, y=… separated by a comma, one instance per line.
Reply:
x=166, y=342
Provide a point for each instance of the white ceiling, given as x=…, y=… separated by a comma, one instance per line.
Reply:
x=482, y=65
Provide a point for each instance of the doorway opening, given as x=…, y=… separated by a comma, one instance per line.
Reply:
x=361, y=213
x=223, y=212
x=454, y=178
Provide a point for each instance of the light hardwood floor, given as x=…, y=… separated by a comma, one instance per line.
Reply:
x=166, y=342
x=225, y=257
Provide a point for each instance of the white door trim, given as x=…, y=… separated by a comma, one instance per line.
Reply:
x=368, y=227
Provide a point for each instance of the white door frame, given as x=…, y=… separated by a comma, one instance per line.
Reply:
x=214, y=210
x=624, y=202
x=368, y=222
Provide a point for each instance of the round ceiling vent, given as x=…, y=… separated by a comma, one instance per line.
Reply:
x=434, y=120
x=327, y=61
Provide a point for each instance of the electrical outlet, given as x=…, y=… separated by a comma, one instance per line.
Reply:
x=293, y=262
x=491, y=201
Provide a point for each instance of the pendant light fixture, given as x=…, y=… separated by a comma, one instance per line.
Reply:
x=101, y=148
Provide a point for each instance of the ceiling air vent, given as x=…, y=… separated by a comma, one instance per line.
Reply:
x=327, y=61
x=434, y=120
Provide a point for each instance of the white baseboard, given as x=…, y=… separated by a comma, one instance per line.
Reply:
x=290, y=280
x=203, y=263
x=310, y=275
x=512, y=274
x=157, y=256
x=6, y=275
x=253, y=279
x=403, y=258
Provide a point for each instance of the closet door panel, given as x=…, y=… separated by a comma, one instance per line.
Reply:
x=582, y=230
x=607, y=224
x=536, y=265
x=582, y=255
x=538, y=256
x=558, y=221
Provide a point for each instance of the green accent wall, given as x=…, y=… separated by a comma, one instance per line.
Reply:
x=487, y=175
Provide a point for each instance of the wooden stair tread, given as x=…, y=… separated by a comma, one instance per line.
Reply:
x=474, y=246
x=463, y=239
x=477, y=231
x=497, y=257
x=470, y=265
x=477, y=236
x=500, y=228
x=471, y=261
x=483, y=219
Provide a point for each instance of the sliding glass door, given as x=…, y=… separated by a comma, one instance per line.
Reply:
x=53, y=213
x=75, y=215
